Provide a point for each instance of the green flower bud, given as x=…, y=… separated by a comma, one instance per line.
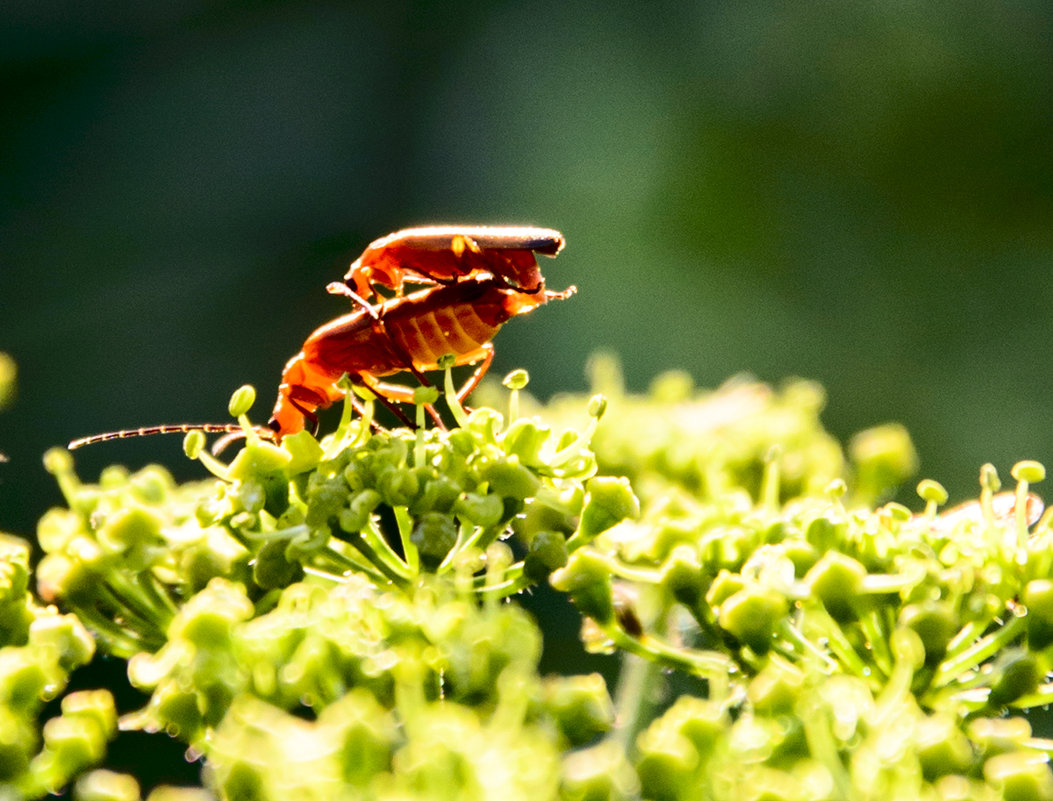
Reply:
x=517, y=379
x=58, y=461
x=271, y=568
x=511, y=479
x=999, y=735
x=173, y=708
x=305, y=453
x=356, y=516
x=64, y=638
x=580, y=705
x=258, y=458
x=597, y=406
x=1016, y=673
x=95, y=705
x=18, y=742
x=837, y=581
x=434, y=535
x=59, y=577
x=723, y=587
x=325, y=499
x=989, y=479
x=907, y=648
x=884, y=457
x=151, y=485
x=207, y=619
x=365, y=734
x=241, y=401
x=547, y=552
x=525, y=438
x=935, y=623
x=702, y=722
x=484, y=425
x=823, y=534
x=774, y=691
x=802, y=554
x=682, y=575
x=461, y=442
x=1028, y=471
x=1038, y=598
x=194, y=443
x=132, y=528
x=440, y=494
x=608, y=501
x=932, y=492
x=73, y=743
x=751, y=615
x=105, y=785
x=424, y=395
x=600, y=773
x=398, y=485
x=672, y=386
x=481, y=510
x=942, y=747
x=666, y=765
x=23, y=681
x=587, y=580
x=56, y=529
x=1023, y=776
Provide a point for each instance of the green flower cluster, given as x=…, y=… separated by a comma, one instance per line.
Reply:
x=820, y=585
x=712, y=442
x=393, y=505
x=798, y=735
x=798, y=609
x=359, y=692
x=329, y=618
x=39, y=648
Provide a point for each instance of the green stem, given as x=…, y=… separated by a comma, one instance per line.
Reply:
x=704, y=664
x=405, y=524
x=634, y=700
x=951, y=669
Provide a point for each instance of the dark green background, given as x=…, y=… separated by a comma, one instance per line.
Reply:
x=856, y=193
x=860, y=194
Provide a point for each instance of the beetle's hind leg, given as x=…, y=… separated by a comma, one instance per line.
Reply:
x=477, y=376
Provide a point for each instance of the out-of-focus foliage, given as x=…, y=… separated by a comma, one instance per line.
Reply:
x=858, y=194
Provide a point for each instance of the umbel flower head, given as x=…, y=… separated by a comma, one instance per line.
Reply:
x=342, y=605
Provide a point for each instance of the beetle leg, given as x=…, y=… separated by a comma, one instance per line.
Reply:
x=480, y=371
x=387, y=395
x=390, y=394
x=308, y=415
x=340, y=288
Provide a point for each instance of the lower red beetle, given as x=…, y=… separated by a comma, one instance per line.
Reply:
x=408, y=333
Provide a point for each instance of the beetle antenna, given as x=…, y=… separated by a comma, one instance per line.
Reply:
x=147, y=431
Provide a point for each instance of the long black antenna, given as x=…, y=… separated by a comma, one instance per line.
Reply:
x=147, y=431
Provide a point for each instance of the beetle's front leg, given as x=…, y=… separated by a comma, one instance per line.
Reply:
x=340, y=288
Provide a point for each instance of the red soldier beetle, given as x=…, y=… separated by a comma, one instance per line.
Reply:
x=406, y=333
x=445, y=254
x=1003, y=511
x=474, y=267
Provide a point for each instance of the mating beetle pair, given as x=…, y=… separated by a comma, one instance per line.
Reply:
x=475, y=279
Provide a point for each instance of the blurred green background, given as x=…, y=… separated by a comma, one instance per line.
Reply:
x=857, y=193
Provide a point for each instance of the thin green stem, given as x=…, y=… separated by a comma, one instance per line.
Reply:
x=405, y=524
x=950, y=669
